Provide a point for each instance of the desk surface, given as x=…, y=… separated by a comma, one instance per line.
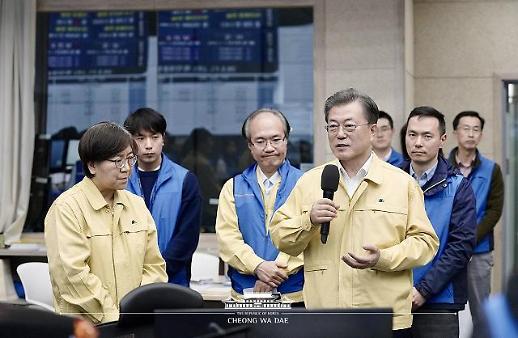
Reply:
x=24, y=250
x=213, y=290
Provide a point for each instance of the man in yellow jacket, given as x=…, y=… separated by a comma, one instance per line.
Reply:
x=379, y=230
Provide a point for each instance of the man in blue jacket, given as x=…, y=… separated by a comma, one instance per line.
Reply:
x=170, y=191
x=246, y=207
x=382, y=142
x=487, y=182
x=440, y=287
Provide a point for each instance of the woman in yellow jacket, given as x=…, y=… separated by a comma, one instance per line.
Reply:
x=101, y=240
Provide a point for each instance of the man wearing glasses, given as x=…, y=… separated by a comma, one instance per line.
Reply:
x=487, y=182
x=382, y=142
x=170, y=191
x=379, y=230
x=246, y=205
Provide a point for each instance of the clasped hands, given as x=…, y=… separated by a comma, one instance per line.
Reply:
x=270, y=275
x=325, y=210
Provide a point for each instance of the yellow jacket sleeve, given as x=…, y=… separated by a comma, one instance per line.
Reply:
x=232, y=248
x=69, y=247
x=421, y=242
x=291, y=227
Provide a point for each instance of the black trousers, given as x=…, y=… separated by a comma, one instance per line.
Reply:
x=435, y=323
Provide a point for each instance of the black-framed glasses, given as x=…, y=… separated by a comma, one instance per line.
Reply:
x=121, y=163
x=262, y=143
x=333, y=128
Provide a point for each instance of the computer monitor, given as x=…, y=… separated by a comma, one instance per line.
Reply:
x=72, y=153
x=57, y=155
x=358, y=323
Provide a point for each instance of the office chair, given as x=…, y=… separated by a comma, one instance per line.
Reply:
x=137, y=307
x=36, y=284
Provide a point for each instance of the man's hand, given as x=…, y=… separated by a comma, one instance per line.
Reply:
x=417, y=299
x=261, y=286
x=324, y=210
x=272, y=273
x=363, y=262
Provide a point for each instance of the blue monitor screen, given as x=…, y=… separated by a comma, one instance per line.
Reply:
x=57, y=154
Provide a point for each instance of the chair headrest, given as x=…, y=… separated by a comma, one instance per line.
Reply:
x=138, y=305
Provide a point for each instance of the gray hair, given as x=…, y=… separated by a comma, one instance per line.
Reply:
x=245, y=130
x=350, y=95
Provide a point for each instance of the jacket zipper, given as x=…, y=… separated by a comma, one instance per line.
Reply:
x=433, y=186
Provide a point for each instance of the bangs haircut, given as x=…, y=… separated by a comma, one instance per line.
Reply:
x=145, y=119
x=102, y=141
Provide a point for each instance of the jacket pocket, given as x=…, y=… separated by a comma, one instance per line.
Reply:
x=383, y=225
x=134, y=236
x=315, y=267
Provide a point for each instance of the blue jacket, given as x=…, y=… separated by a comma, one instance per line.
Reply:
x=480, y=179
x=175, y=205
x=450, y=206
x=396, y=159
x=250, y=215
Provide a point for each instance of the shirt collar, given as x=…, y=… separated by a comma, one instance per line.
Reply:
x=261, y=177
x=94, y=196
x=386, y=158
x=364, y=170
x=426, y=176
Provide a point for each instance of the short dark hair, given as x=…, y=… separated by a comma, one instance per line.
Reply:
x=426, y=111
x=246, y=124
x=350, y=95
x=470, y=113
x=103, y=141
x=383, y=115
x=145, y=119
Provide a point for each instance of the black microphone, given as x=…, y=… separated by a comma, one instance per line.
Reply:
x=329, y=184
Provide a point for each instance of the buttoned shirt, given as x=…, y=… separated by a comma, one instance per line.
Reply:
x=425, y=177
x=352, y=183
x=267, y=183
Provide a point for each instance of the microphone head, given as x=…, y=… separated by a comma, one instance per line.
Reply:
x=330, y=178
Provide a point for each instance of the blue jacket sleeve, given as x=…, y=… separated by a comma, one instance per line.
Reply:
x=459, y=246
x=184, y=240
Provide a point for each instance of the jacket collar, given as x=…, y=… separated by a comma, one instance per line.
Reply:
x=165, y=172
x=375, y=173
x=443, y=171
x=95, y=198
x=250, y=173
x=452, y=158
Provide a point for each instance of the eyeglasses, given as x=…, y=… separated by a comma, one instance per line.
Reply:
x=333, y=128
x=383, y=129
x=467, y=129
x=121, y=163
x=263, y=143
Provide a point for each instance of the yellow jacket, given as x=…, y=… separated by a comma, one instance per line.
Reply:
x=386, y=210
x=97, y=255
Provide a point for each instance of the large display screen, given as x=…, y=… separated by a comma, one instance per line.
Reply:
x=204, y=70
